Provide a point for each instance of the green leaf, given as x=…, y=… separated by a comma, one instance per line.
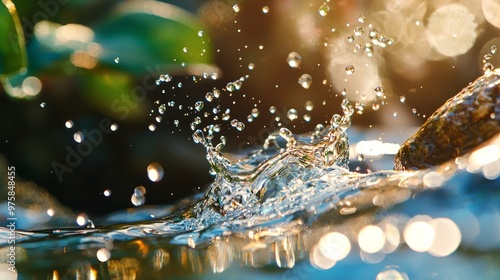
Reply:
x=112, y=93
x=12, y=47
x=149, y=33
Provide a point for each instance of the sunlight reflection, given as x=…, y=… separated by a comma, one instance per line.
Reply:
x=371, y=239
x=447, y=238
x=451, y=30
x=491, y=10
x=419, y=235
x=391, y=274
x=318, y=260
x=376, y=148
x=334, y=245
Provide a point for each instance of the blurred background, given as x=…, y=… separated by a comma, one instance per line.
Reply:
x=142, y=66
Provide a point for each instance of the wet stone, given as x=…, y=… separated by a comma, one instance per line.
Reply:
x=462, y=123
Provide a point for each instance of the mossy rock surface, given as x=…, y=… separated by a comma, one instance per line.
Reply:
x=465, y=121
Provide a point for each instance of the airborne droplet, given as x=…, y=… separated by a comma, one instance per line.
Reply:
x=324, y=9
x=68, y=124
x=292, y=114
x=309, y=106
x=78, y=137
x=305, y=81
x=198, y=105
x=349, y=69
x=294, y=59
x=155, y=172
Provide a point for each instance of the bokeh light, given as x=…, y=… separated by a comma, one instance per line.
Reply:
x=318, y=260
x=419, y=235
x=491, y=10
x=334, y=245
x=391, y=274
x=447, y=238
x=371, y=239
x=451, y=30
x=103, y=255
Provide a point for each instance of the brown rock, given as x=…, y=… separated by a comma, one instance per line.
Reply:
x=462, y=123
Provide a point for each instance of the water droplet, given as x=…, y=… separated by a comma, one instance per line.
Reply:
x=349, y=69
x=285, y=133
x=368, y=49
x=305, y=81
x=359, y=107
x=209, y=96
x=162, y=108
x=230, y=87
x=68, y=124
x=179, y=85
x=402, y=98
x=201, y=33
x=140, y=190
x=414, y=111
x=488, y=68
x=42, y=104
x=240, y=126
x=117, y=60
x=344, y=92
x=82, y=219
x=261, y=47
x=351, y=39
x=493, y=49
x=198, y=105
x=171, y=103
x=294, y=59
x=155, y=172
x=78, y=137
x=236, y=8
x=158, y=119
x=237, y=84
x=265, y=9
x=185, y=49
x=107, y=192
x=309, y=106
x=198, y=137
x=358, y=31
x=292, y=114
x=361, y=19
x=379, y=91
x=176, y=123
x=152, y=127
x=395, y=114
x=103, y=255
x=137, y=200
x=307, y=117
x=164, y=78
x=251, y=66
x=255, y=112
x=249, y=118
x=272, y=109
x=234, y=122
x=375, y=106
x=113, y=127
x=324, y=9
